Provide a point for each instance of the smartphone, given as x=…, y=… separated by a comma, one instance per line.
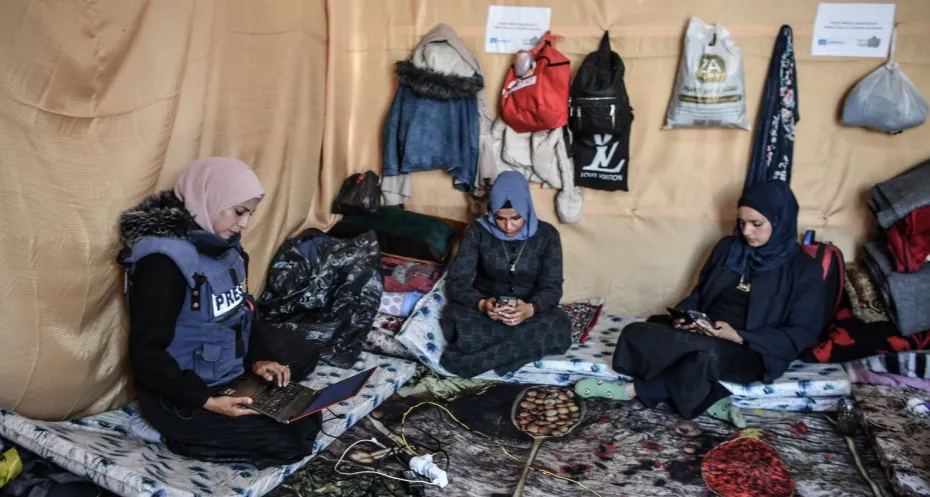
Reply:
x=689, y=316
x=506, y=302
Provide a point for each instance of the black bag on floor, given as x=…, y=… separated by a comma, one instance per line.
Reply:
x=360, y=194
x=599, y=103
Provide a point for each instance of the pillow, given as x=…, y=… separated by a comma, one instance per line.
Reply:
x=584, y=316
x=849, y=338
x=422, y=333
x=402, y=275
x=401, y=232
x=398, y=304
x=865, y=300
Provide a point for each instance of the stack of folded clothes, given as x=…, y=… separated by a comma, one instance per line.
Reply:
x=898, y=262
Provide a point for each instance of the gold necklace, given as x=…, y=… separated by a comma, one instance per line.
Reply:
x=743, y=286
x=513, y=265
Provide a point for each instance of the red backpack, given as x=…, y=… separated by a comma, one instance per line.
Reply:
x=539, y=101
x=833, y=263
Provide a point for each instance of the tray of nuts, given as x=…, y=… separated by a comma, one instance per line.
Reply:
x=545, y=411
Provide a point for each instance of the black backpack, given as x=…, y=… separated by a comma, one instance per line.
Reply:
x=598, y=102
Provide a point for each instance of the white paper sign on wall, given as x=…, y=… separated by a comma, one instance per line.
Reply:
x=853, y=29
x=511, y=29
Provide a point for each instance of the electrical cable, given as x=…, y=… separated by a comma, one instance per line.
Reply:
x=407, y=446
x=372, y=440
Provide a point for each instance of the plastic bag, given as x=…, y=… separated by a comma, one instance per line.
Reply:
x=710, y=91
x=885, y=100
x=360, y=194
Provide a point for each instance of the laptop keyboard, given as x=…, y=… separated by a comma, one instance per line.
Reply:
x=273, y=399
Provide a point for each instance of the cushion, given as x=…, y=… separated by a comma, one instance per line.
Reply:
x=405, y=275
x=104, y=449
x=584, y=316
x=849, y=338
x=865, y=300
x=401, y=232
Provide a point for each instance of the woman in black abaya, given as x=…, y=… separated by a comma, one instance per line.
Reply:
x=764, y=296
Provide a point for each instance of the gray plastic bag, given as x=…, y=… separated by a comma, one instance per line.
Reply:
x=886, y=100
x=710, y=91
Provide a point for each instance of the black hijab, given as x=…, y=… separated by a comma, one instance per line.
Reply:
x=775, y=201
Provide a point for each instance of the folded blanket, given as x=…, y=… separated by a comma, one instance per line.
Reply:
x=860, y=373
x=910, y=364
x=905, y=294
x=909, y=241
x=894, y=199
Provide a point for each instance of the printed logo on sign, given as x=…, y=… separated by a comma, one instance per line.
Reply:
x=227, y=301
x=713, y=69
x=603, y=156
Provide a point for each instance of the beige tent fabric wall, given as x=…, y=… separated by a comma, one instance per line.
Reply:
x=641, y=250
x=102, y=103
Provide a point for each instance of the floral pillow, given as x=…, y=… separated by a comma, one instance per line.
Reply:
x=422, y=334
x=403, y=275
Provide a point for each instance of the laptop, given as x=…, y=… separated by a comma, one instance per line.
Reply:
x=293, y=401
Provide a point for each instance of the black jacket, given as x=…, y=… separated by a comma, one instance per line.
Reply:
x=785, y=305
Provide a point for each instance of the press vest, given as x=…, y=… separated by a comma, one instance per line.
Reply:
x=215, y=305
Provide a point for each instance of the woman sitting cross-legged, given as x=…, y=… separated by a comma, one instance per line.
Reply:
x=193, y=327
x=509, y=253
x=764, y=298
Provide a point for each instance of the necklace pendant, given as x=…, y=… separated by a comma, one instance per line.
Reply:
x=513, y=268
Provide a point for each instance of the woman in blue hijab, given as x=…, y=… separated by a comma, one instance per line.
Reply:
x=504, y=287
x=762, y=300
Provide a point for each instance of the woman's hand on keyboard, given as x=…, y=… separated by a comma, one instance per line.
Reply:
x=273, y=371
x=229, y=406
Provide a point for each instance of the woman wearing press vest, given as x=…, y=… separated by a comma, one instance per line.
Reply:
x=192, y=320
x=764, y=296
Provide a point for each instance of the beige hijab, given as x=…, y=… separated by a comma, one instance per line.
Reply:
x=212, y=184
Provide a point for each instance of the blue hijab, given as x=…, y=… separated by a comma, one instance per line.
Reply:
x=774, y=200
x=511, y=186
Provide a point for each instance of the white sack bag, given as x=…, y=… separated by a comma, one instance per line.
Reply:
x=711, y=90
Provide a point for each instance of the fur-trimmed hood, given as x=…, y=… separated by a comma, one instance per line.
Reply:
x=161, y=214
x=441, y=67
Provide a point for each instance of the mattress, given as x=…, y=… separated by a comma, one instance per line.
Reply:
x=105, y=449
x=804, y=387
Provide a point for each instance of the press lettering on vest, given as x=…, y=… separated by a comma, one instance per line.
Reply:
x=603, y=156
x=228, y=300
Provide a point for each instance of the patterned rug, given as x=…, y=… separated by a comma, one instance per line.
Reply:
x=620, y=449
x=901, y=439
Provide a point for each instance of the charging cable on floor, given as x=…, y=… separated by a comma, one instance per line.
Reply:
x=407, y=446
x=438, y=482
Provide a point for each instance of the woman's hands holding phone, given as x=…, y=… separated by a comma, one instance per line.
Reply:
x=720, y=329
x=514, y=315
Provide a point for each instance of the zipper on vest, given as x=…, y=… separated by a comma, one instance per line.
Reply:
x=613, y=117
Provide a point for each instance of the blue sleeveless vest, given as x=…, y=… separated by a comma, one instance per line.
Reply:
x=216, y=301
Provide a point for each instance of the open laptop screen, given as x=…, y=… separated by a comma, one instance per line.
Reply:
x=337, y=392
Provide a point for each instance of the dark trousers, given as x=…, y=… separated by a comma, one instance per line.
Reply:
x=683, y=367
x=255, y=439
